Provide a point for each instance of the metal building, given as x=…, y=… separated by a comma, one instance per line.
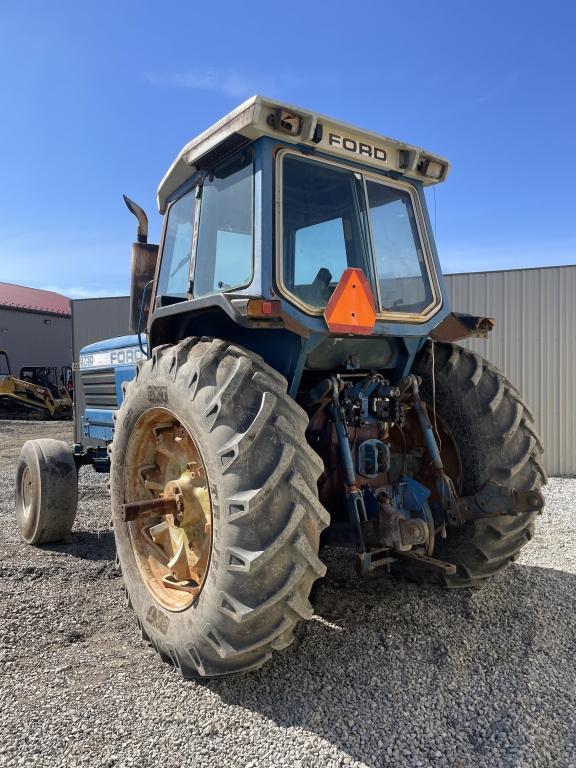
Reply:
x=534, y=343
x=35, y=327
x=97, y=319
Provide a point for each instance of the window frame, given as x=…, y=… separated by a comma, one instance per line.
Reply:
x=187, y=190
x=387, y=315
x=193, y=183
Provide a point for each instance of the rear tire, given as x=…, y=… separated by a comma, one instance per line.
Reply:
x=494, y=433
x=46, y=491
x=266, y=516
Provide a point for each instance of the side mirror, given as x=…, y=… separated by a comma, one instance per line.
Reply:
x=144, y=260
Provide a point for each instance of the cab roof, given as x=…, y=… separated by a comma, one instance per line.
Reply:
x=260, y=116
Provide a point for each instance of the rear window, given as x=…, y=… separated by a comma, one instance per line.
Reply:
x=400, y=265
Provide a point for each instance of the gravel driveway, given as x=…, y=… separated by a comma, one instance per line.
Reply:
x=385, y=673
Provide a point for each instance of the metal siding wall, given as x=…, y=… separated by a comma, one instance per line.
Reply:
x=94, y=320
x=534, y=343
x=31, y=341
x=98, y=319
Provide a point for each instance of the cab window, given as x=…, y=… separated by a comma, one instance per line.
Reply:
x=324, y=228
x=400, y=264
x=174, y=280
x=226, y=229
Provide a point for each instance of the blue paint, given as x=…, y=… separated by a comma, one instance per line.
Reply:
x=118, y=342
x=414, y=494
x=123, y=373
x=98, y=424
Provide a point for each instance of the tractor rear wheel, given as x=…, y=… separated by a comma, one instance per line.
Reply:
x=218, y=543
x=493, y=431
x=46, y=491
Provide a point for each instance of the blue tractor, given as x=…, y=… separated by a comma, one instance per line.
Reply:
x=294, y=381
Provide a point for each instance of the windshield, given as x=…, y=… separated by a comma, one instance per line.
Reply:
x=332, y=220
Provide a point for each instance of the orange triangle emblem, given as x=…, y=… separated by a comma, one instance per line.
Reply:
x=351, y=308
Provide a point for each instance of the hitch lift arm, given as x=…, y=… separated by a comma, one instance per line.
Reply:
x=354, y=498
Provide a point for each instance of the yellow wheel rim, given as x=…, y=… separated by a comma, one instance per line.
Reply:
x=167, y=508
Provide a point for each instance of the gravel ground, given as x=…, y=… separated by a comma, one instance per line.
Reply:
x=14, y=433
x=385, y=673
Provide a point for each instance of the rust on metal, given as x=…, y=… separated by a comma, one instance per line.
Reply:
x=144, y=261
x=494, y=500
x=430, y=563
x=457, y=326
x=148, y=508
x=392, y=530
x=168, y=508
x=408, y=453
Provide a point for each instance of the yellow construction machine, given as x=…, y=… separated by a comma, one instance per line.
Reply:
x=39, y=393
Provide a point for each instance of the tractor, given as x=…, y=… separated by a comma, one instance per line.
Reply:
x=294, y=381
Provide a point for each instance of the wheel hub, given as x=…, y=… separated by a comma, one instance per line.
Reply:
x=26, y=491
x=167, y=508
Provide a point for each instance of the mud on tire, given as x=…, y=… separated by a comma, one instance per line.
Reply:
x=267, y=518
x=494, y=432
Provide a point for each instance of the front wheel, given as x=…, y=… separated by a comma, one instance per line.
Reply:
x=494, y=434
x=215, y=508
x=46, y=491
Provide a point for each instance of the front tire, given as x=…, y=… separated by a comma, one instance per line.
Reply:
x=266, y=518
x=46, y=491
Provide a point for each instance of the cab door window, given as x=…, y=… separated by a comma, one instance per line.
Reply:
x=174, y=280
x=226, y=230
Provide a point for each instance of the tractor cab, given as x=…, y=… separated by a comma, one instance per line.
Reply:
x=42, y=376
x=266, y=213
x=50, y=377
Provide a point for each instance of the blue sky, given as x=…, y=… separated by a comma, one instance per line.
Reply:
x=97, y=99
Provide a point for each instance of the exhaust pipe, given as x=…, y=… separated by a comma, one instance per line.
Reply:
x=142, y=233
x=144, y=260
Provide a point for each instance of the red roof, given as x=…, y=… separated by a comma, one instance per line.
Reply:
x=34, y=299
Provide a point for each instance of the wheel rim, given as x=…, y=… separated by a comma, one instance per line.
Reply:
x=26, y=491
x=167, y=508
